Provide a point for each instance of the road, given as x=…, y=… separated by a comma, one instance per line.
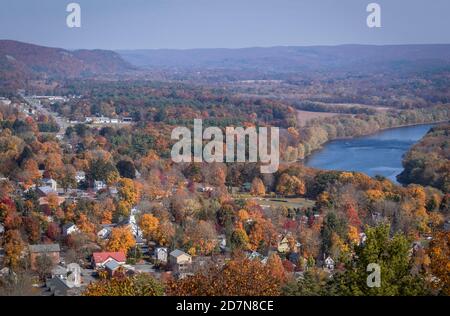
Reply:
x=62, y=123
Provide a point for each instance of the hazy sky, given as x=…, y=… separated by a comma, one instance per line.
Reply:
x=131, y=24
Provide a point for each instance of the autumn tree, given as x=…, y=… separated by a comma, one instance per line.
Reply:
x=44, y=266
x=129, y=191
x=439, y=253
x=290, y=185
x=121, y=239
x=13, y=247
x=239, y=277
x=149, y=225
x=276, y=267
x=200, y=237
x=258, y=188
x=140, y=284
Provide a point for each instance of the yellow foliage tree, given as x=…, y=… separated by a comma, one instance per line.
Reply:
x=121, y=239
x=149, y=225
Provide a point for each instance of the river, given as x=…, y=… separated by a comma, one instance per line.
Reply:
x=377, y=154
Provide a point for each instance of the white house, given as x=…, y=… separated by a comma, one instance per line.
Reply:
x=105, y=232
x=80, y=176
x=362, y=238
x=222, y=240
x=69, y=229
x=5, y=101
x=161, y=254
x=51, y=183
x=101, y=120
x=329, y=263
x=99, y=185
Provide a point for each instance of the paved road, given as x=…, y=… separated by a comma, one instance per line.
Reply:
x=62, y=123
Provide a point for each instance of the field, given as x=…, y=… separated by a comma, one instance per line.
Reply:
x=304, y=116
x=278, y=202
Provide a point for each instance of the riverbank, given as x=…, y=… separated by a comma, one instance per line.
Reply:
x=320, y=131
x=376, y=154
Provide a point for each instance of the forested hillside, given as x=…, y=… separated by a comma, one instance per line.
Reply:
x=428, y=162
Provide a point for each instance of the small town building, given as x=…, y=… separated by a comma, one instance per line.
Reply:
x=100, y=259
x=329, y=263
x=99, y=185
x=50, y=183
x=50, y=250
x=80, y=176
x=181, y=263
x=111, y=267
x=105, y=232
x=161, y=254
x=69, y=229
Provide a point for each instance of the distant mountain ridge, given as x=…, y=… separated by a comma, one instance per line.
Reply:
x=20, y=62
x=293, y=58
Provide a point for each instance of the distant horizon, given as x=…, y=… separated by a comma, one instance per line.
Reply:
x=228, y=48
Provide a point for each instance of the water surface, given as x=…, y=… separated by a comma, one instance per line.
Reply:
x=377, y=154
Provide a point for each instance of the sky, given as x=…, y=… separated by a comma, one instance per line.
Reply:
x=181, y=24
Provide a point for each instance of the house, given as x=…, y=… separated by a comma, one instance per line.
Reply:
x=5, y=101
x=69, y=229
x=50, y=183
x=65, y=281
x=99, y=185
x=362, y=238
x=45, y=191
x=329, y=263
x=161, y=254
x=283, y=245
x=254, y=255
x=105, y=232
x=181, y=262
x=2, y=229
x=50, y=250
x=44, y=201
x=101, y=120
x=111, y=267
x=100, y=259
x=207, y=189
x=80, y=176
x=222, y=242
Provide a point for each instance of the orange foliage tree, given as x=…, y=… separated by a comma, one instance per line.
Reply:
x=239, y=277
x=258, y=187
x=439, y=253
x=121, y=239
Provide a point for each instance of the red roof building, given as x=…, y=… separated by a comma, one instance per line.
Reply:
x=99, y=259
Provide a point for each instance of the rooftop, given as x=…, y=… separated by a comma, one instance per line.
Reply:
x=100, y=257
x=44, y=248
x=177, y=253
